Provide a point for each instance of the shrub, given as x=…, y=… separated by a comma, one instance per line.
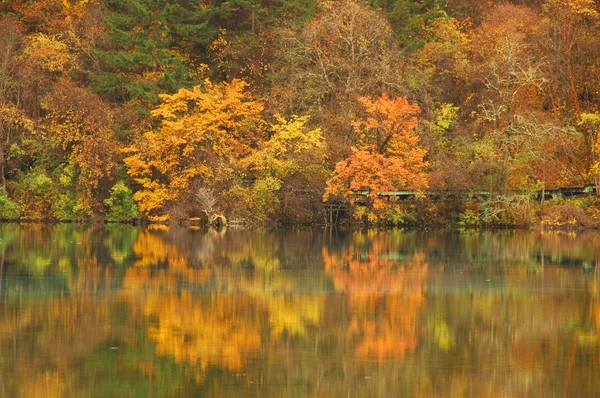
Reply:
x=9, y=210
x=73, y=203
x=469, y=218
x=121, y=206
x=566, y=216
x=36, y=192
x=398, y=214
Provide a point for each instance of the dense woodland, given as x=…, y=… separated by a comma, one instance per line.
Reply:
x=266, y=110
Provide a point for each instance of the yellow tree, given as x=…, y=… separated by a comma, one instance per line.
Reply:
x=293, y=158
x=201, y=131
x=388, y=157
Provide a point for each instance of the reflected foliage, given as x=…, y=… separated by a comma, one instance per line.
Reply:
x=132, y=311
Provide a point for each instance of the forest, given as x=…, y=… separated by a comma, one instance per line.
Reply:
x=265, y=111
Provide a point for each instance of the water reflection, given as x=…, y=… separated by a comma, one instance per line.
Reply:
x=385, y=289
x=128, y=311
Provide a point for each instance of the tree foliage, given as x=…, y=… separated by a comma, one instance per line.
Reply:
x=186, y=97
x=287, y=170
x=388, y=158
x=202, y=129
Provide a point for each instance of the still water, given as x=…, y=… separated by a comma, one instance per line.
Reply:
x=123, y=311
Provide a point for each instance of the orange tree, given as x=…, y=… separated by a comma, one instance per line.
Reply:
x=388, y=156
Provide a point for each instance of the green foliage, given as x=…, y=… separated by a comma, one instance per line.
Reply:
x=71, y=204
x=121, y=206
x=67, y=208
x=36, y=192
x=149, y=47
x=362, y=212
x=9, y=210
x=469, y=218
x=38, y=182
x=409, y=18
x=399, y=214
x=119, y=241
x=293, y=12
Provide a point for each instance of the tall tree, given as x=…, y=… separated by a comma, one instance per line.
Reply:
x=569, y=25
x=78, y=126
x=288, y=172
x=512, y=79
x=12, y=117
x=346, y=51
x=410, y=18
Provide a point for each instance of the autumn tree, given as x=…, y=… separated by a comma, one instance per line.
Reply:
x=202, y=133
x=388, y=157
x=545, y=147
x=512, y=77
x=590, y=124
x=12, y=117
x=288, y=171
x=36, y=65
x=569, y=44
x=78, y=125
x=439, y=70
x=346, y=51
x=48, y=17
x=568, y=26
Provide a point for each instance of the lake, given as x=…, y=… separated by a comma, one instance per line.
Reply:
x=125, y=311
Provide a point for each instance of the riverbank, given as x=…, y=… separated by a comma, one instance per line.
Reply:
x=516, y=211
x=513, y=211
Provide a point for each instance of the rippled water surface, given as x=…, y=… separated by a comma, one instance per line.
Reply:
x=127, y=311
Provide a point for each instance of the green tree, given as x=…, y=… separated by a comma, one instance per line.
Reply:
x=121, y=206
x=410, y=18
x=9, y=210
x=151, y=47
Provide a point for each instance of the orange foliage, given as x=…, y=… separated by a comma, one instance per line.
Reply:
x=389, y=157
x=389, y=128
x=51, y=16
x=376, y=171
x=79, y=123
x=385, y=297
